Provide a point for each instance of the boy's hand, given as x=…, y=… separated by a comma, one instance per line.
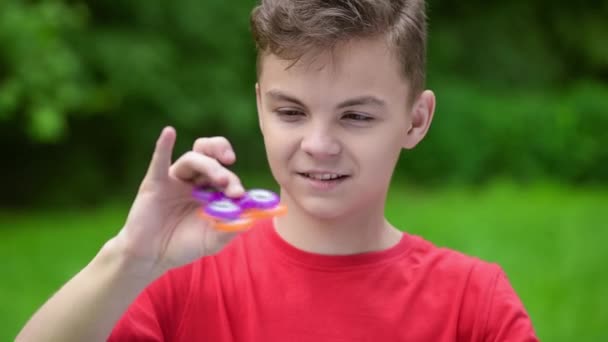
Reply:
x=163, y=230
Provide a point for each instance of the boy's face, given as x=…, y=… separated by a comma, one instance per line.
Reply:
x=342, y=115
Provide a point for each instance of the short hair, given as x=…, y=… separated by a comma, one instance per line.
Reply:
x=291, y=28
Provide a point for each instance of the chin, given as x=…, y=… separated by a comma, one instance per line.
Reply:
x=322, y=214
x=323, y=209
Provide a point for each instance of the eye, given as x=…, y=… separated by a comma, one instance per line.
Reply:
x=289, y=114
x=358, y=117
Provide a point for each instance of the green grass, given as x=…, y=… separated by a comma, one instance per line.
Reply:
x=550, y=241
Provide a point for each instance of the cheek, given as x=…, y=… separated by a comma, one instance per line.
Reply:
x=274, y=161
x=279, y=146
x=379, y=157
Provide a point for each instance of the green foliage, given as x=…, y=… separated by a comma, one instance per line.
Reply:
x=521, y=44
x=42, y=76
x=522, y=90
x=189, y=61
x=521, y=135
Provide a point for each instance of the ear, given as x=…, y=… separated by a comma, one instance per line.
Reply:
x=420, y=119
x=258, y=101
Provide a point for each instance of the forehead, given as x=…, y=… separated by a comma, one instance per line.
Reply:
x=364, y=66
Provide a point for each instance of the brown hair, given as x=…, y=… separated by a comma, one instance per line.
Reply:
x=291, y=28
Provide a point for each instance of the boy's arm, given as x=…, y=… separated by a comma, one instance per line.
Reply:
x=89, y=305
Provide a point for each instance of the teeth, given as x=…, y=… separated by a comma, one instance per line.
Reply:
x=323, y=176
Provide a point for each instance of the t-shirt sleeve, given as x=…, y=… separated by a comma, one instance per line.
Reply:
x=156, y=312
x=507, y=317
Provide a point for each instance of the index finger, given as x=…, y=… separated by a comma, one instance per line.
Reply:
x=161, y=159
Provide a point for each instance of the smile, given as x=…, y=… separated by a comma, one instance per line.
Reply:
x=323, y=176
x=323, y=181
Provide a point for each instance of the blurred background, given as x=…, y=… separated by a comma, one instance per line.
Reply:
x=514, y=169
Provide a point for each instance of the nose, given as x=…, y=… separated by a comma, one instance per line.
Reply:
x=319, y=143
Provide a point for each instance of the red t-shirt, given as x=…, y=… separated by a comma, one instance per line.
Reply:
x=260, y=288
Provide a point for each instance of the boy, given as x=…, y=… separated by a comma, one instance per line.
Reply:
x=339, y=94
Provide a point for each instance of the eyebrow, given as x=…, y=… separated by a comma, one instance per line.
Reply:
x=357, y=101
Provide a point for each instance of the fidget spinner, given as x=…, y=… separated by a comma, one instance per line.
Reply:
x=228, y=214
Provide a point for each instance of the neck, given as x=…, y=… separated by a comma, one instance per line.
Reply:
x=356, y=232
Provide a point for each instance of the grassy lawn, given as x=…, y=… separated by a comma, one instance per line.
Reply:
x=550, y=241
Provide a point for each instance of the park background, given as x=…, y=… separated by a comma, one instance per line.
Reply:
x=514, y=169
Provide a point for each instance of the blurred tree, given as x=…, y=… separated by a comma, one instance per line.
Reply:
x=85, y=86
x=42, y=76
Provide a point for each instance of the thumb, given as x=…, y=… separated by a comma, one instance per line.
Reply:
x=161, y=159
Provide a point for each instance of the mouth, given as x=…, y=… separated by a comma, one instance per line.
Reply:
x=323, y=176
x=323, y=181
